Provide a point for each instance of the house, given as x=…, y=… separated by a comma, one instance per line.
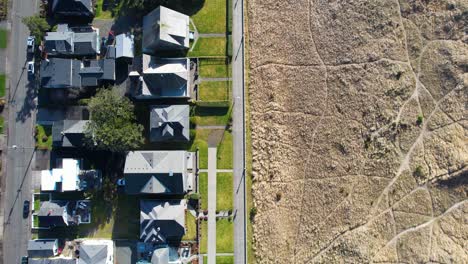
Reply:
x=124, y=46
x=165, y=254
x=159, y=172
x=68, y=176
x=63, y=213
x=72, y=9
x=163, y=78
x=68, y=133
x=96, y=252
x=169, y=123
x=42, y=248
x=76, y=41
x=162, y=221
x=69, y=73
x=165, y=29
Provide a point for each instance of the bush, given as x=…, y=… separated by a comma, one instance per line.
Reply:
x=193, y=196
x=418, y=172
x=278, y=196
x=253, y=213
x=420, y=119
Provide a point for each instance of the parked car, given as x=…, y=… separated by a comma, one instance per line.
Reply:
x=31, y=67
x=24, y=260
x=26, y=208
x=31, y=44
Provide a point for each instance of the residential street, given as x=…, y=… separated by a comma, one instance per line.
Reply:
x=238, y=133
x=20, y=140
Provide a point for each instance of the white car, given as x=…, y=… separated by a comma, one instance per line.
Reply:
x=31, y=41
x=31, y=67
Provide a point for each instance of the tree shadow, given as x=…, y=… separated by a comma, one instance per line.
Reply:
x=29, y=103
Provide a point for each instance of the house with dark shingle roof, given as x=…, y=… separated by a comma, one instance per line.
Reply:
x=169, y=123
x=162, y=221
x=72, y=9
x=69, y=42
x=68, y=73
x=62, y=213
x=159, y=172
x=165, y=29
x=68, y=133
x=42, y=248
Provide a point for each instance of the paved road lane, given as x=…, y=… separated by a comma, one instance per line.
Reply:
x=20, y=141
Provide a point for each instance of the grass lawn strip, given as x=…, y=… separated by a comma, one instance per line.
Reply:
x=224, y=236
x=212, y=17
x=44, y=137
x=200, y=141
x=2, y=85
x=2, y=123
x=224, y=154
x=214, y=68
x=211, y=116
x=191, y=226
x=204, y=237
x=206, y=47
x=3, y=38
x=203, y=189
x=224, y=191
x=214, y=91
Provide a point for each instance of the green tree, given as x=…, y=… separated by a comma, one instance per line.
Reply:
x=37, y=26
x=112, y=124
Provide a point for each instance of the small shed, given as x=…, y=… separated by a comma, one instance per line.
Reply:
x=124, y=46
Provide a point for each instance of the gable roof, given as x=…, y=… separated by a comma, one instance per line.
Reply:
x=53, y=213
x=170, y=123
x=68, y=133
x=162, y=221
x=156, y=172
x=93, y=254
x=124, y=45
x=165, y=29
x=72, y=7
x=60, y=73
x=165, y=78
x=42, y=248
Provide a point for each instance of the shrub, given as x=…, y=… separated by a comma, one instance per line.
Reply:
x=420, y=119
x=253, y=213
x=44, y=138
x=193, y=196
x=278, y=196
x=418, y=172
x=205, y=212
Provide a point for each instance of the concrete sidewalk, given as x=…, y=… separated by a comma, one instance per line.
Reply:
x=211, y=205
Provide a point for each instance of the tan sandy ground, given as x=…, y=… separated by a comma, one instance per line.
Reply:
x=343, y=170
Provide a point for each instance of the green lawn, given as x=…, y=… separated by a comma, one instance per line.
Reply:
x=214, y=91
x=214, y=68
x=224, y=236
x=191, y=225
x=224, y=154
x=200, y=141
x=114, y=220
x=221, y=259
x=3, y=38
x=211, y=116
x=203, y=189
x=212, y=17
x=37, y=203
x=44, y=137
x=204, y=237
x=2, y=85
x=224, y=191
x=35, y=221
x=101, y=14
x=206, y=47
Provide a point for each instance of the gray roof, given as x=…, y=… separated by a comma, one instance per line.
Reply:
x=52, y=261
x=42, y=248
x=68, y=133
x=156, y=172
x=53, y=213
x=72, y=7
x=83, y=42
x=162, y=221
x=164, y=78
x=170, y=123
x=165, y=29
x=69, y=73
x=92, y=254
x=60, y=73
x=124, y=45
x=160, y=256
x=59, y=42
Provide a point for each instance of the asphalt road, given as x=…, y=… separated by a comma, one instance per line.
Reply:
x=238, y=132
x=20, y=140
